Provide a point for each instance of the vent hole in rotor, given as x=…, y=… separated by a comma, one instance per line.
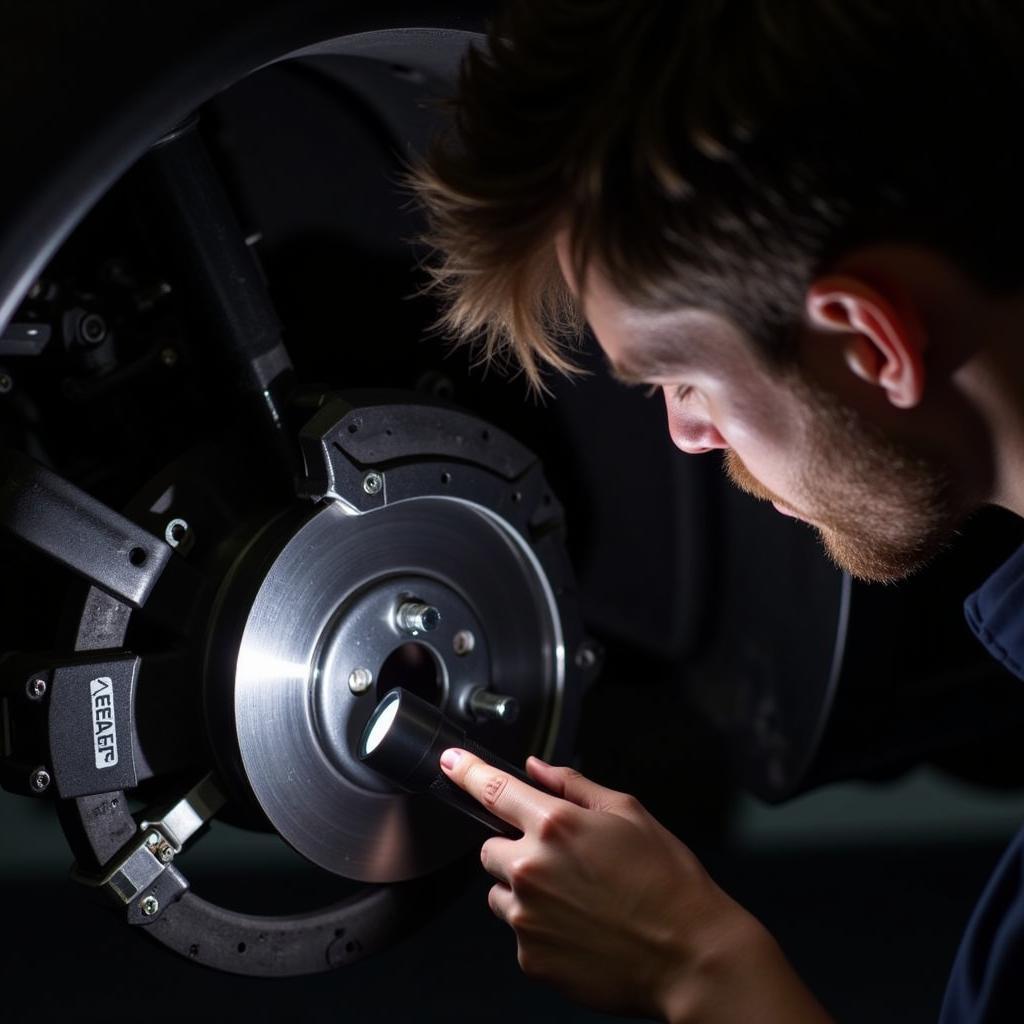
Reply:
x=415, y=668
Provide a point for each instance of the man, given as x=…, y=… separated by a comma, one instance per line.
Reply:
x=802, y=222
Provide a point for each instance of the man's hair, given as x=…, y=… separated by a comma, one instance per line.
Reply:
x=719, y=154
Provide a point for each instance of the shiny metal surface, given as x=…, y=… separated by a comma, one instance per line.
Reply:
x=325, y=608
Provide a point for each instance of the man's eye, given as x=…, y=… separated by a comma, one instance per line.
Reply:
x=682, y=392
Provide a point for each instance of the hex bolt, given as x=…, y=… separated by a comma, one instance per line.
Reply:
x=493, y=707
x=373, y=482
x=36, y=688
x=39, y=780
x=414, y=617
x=360, y=680
x=463, y=643
x=149, y=905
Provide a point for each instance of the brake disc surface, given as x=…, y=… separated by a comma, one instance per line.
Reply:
x=323, y=622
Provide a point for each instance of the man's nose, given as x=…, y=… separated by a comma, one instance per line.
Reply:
x=692, y=429
x=694, y=435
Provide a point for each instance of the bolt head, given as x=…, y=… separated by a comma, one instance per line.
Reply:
x=165, y=854
x=92, y=329
x=373, y=483
x=507, y=709
x=360, y=680
x=149, y=905
x=39, y=780
x=416, y=618
x=586, y=657
x=152, y=840
x=463, y=642
x=36, y=689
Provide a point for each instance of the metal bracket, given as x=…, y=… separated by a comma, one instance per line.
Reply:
x=61, y=521
x=135, y=878
x=369, y=450
x=67, y=720
x=64, y=523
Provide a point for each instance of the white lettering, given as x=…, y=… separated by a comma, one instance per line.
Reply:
x=104, y=729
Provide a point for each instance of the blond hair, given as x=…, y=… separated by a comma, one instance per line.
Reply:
x=716, y=153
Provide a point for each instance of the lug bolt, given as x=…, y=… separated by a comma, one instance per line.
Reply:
x=494, y=707
x=373, y=483
x=36, y=688
x=414, y=617
x=463, y=642
x=39, y=780
x=360, y=680
x=149, y=905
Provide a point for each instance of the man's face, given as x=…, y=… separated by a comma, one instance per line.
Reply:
x=792, y=437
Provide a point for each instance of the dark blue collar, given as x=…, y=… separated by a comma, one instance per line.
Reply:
x=996, y=613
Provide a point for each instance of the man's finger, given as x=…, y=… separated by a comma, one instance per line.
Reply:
x=502, y=794
x=496, y=855
x=500, y=899
x=570, y=785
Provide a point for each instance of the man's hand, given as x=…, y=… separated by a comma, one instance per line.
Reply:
x=613, y=910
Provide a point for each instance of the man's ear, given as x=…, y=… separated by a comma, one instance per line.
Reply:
x=884, y=344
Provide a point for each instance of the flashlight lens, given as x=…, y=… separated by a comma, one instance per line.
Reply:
x=380, y=724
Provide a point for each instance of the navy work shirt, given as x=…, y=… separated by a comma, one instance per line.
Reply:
x=986, y=985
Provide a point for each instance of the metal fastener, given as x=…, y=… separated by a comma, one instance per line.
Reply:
x=39, y=780
x=414, y=617
x=587, y=656
x=373, y=482
x=463, y=642
x=153, y=839
x=165, y=854
x=36, y=688
x=176, y=532
x=6, y=384
x=92, y=329
x=149, y=905
x=360, y=680
x=494, y=707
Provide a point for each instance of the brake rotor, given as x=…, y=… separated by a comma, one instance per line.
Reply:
x=317, y=637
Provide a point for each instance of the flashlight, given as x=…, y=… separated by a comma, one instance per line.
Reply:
x=403, y=741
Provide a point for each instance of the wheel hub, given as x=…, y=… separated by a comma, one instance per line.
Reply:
x=326, y=614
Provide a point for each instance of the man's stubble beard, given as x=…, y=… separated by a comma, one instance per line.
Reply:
x=881, y=511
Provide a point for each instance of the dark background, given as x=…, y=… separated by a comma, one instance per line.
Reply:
x=867, y=887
